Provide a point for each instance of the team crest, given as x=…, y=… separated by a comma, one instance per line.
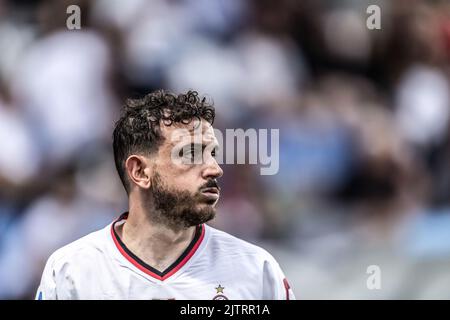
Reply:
x=220, y=295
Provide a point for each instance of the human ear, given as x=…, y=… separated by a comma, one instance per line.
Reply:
x=138, y=171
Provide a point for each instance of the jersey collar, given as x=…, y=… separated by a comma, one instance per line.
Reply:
x=149, y=270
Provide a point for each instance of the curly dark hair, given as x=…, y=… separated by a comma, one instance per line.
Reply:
x=138, y=129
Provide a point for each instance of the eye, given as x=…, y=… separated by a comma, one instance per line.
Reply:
x=214, y=152
x=191, y=153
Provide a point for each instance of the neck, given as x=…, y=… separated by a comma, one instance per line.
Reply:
x=155, y=243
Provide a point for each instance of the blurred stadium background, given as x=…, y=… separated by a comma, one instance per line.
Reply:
x=363, y=116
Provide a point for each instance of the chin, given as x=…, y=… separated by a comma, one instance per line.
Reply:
x=208, y=204
x=203, y=214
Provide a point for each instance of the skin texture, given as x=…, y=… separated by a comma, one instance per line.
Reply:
x=159, y=235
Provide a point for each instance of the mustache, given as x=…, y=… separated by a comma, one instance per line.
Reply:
x=212, y=183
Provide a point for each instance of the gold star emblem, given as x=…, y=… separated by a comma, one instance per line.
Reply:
x=220, y=289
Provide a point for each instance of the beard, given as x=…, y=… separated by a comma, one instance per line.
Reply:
x=176, y=208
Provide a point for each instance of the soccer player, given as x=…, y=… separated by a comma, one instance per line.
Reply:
x=164, y=147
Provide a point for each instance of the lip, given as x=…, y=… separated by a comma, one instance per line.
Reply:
x=211, y=190
x=211, y=193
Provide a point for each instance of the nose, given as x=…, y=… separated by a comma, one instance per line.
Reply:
x=212, y=170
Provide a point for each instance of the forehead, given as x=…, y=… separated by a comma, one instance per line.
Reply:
x=200, y=130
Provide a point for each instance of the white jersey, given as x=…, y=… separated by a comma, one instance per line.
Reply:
x=215, y=266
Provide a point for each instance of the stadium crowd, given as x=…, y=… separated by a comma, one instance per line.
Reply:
x=364, y=173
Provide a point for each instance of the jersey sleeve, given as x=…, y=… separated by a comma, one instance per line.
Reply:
x=56, y=282
x=47, y=287
x=275, y=283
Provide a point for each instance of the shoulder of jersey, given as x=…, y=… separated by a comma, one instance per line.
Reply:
x=89, y=246
x=85, y=248
x=236, y=247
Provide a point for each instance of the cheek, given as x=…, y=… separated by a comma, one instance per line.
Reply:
x=181, y=178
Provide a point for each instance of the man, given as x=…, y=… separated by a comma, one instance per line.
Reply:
x=164, y=147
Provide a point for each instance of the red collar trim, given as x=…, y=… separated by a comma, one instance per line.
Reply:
x=141, y=265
